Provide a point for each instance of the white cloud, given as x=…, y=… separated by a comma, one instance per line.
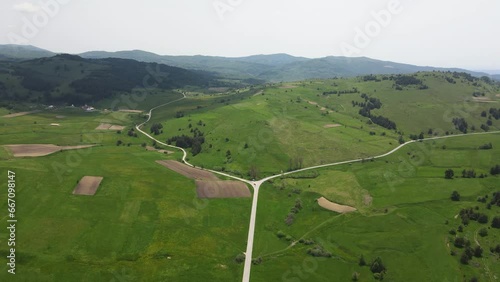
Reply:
x=26, y=7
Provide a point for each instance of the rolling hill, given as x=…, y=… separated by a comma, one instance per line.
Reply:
x=71, y=79
x=22, y=52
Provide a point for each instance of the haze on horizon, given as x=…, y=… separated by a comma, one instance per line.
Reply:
x=434, y=33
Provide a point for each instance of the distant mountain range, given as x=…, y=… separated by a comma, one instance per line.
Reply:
x=277, y=67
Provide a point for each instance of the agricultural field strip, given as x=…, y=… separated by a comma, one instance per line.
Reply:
x=256, y=184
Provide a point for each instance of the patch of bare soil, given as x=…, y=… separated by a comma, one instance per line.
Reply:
x=20, y=114
x=332, y=125
x=222, y=189
x=55, y=124
x=188, y=171
x=483, y=100
x=39, y=150
x=324, y=203
x=107, y=126
x=312, y=103
x=88, y=185
x=116, y=127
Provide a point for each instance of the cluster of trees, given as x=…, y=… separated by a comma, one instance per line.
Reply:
x=416, y=137
x=132, y=133
x=495, y=113
x=156, y=128
x=184, y=141
x=469, y=173
x=406, y=80
x=370, y=77
x=370, y=104
x=319, y=251
x=377, y=267
x=179, y=114
x=455, y=196
x=460, y=124
x=450, y=80
x=470, y=214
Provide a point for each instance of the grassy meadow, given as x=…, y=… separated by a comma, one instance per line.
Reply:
x=407, y=222
x=145, y=222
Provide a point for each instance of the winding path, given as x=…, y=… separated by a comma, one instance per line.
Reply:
x=256, y=184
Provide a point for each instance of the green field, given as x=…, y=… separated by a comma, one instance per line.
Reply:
x=283, y=122
x=406, y=225
x=146, y=223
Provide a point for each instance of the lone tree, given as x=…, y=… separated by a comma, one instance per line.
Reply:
x=449, y=173
x=455, y=196
x=377, y=266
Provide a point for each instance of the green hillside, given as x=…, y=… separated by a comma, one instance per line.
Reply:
x=322, y=121
x=68, y=79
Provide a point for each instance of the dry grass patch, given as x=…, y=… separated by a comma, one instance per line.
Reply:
x=131, y=111
x=332, y=125
x=324, y=203
x=222, y=189
x=288, y=86
x=20, y=114
x=188, y=171
x=55, y=124
x=40, y=150
x=107, y=126
x=483, y=100
x=88, y=185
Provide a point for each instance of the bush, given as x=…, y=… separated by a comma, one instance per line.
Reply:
x=318, y=251
x=483, y=232
x=240, y=258
x=455, y=196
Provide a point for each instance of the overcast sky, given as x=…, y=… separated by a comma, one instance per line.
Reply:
x=442, y=33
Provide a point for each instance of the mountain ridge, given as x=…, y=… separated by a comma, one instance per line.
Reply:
x=271, y=68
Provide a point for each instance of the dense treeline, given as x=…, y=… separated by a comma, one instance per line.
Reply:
x=354, y=90
x=370, y=104
x=93, y=80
